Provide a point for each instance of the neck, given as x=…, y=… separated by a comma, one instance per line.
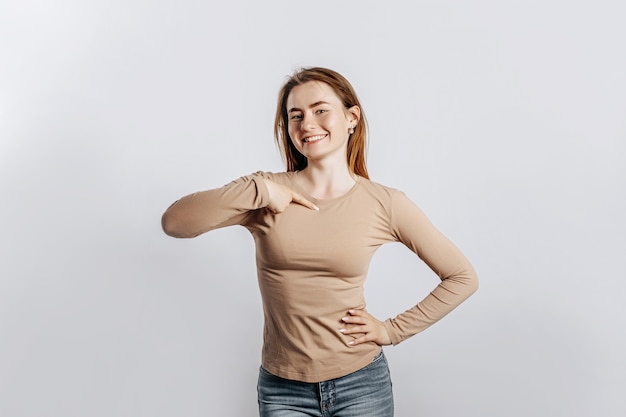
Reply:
x=326, y=181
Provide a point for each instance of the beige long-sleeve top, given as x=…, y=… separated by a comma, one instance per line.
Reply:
x=312, y=266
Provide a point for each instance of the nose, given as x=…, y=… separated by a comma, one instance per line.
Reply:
x=307, y=122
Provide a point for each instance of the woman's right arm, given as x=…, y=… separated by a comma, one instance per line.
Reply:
x=231, y=204
x=202, y=211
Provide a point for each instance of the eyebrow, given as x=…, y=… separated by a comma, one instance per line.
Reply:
x=317, y=103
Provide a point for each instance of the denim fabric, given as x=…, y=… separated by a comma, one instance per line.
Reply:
x=364, y=393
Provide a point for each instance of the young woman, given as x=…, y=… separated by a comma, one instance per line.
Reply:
x=316, y=227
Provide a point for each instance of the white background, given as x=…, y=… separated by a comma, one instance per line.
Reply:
x=504, y=120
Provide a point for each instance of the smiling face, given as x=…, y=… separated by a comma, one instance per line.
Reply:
x=318, y=122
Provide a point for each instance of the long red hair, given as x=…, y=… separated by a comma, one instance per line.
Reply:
x=357, y=143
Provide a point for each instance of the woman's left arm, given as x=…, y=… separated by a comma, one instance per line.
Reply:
x=458, y=279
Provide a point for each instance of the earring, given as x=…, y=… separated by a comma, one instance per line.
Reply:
x=351, y=131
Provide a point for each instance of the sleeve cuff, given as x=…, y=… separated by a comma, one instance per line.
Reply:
x=391, y=331
x=263, y=195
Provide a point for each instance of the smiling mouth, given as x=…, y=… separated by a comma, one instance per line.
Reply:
x=312, y=139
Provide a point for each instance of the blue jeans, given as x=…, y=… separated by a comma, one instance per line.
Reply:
x=364, y=393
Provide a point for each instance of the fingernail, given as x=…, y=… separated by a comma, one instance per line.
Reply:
x=316, y=208
x=344, y=319
x=351, y=311
x=342, y=330
x=350, y=343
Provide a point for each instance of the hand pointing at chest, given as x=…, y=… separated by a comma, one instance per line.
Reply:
x=281, y=196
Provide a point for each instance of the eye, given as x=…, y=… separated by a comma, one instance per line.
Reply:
x=321, y=111
x=295, y=117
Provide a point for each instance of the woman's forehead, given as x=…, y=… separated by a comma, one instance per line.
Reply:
x=311, y=92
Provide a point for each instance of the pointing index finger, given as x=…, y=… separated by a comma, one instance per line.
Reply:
x=297, y=198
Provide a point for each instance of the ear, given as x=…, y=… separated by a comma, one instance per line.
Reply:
x=353, y=114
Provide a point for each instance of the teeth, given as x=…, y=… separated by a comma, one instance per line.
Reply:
x=313, y=138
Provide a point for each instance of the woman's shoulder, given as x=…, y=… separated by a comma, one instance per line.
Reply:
x=380, y=190
x=280, y=177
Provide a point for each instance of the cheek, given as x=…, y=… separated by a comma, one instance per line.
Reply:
x=295, y=133
x=292, y=129
x=294, y=142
